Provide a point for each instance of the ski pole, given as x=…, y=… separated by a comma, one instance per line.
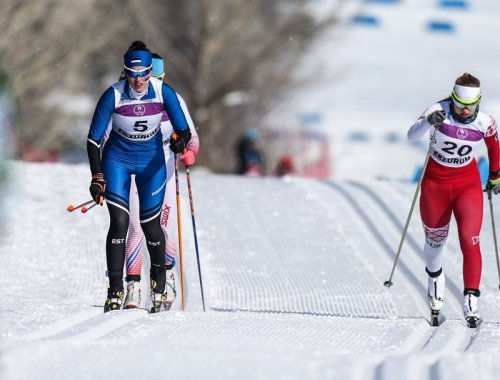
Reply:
x=188, y=177
x=494, y=233
x=85, y=209
x=179, y=231
x=388, y=283
x=72, y=208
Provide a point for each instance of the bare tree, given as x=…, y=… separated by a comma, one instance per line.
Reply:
x=53, y=47
x=228, y=58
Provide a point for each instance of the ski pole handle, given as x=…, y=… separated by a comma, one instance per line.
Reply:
x=72, y=208
x=85, y=209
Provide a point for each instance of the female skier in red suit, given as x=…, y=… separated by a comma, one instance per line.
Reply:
x=452, y=185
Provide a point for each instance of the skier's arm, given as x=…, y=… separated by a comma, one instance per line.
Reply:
x=182, y=135
x=423, y=124
x=174, y=109
x=194, y=143
x=492, y=144
x=100, y=120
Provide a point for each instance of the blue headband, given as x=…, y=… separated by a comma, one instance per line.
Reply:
x=158, y=67
x=137, y=58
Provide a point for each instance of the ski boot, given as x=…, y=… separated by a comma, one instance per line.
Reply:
x=158, y=282
x=133, y=298
x=114, y=300
x=435, y=294
x=470, y=307
x=170, y=293
x=158, y=298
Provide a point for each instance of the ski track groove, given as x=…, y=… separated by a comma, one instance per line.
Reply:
x=367, y=220
x=452, y=336
x=375, y=368
x=92, y=323
x=86, y=325
x=101, y=326
x=60, y=326
x=259, y=279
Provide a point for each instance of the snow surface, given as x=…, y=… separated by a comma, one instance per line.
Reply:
x=292, y=268
x=292, y=271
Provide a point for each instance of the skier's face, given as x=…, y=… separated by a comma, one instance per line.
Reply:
x=138, y=77
x=465, y=111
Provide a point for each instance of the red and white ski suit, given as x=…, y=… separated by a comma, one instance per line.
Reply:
x=452, y=185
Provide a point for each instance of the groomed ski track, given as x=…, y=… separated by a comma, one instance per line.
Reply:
x=293, y=271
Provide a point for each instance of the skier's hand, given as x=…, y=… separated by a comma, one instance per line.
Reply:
x=437, y=117
x=493, y=184
x=98, y=188
x=179, y=140
x=188, y=158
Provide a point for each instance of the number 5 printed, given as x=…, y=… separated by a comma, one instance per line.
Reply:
x=141, y=125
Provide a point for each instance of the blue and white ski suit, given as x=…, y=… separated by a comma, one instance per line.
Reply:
x=134, y=147
x=135, y=143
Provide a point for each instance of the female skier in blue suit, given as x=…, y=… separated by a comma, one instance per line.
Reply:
x=134, y=106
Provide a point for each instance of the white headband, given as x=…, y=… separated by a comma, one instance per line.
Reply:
x=467, y=94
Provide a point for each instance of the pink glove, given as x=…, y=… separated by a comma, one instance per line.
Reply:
x=188, y=158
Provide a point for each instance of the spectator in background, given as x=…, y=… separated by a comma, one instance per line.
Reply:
x=285, y=166
x=249, y=157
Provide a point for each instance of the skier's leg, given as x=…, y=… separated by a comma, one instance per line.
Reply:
x=115, y=255
x=435, y=209
x=433, y=249
x=117, y=177
x=155, y=241
x=134, y=252
x=135, y=238
x=169, y=217
x=151, y=188
x=435, y=239
x=435, y=289
x=169, y=212
x=468, y=212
